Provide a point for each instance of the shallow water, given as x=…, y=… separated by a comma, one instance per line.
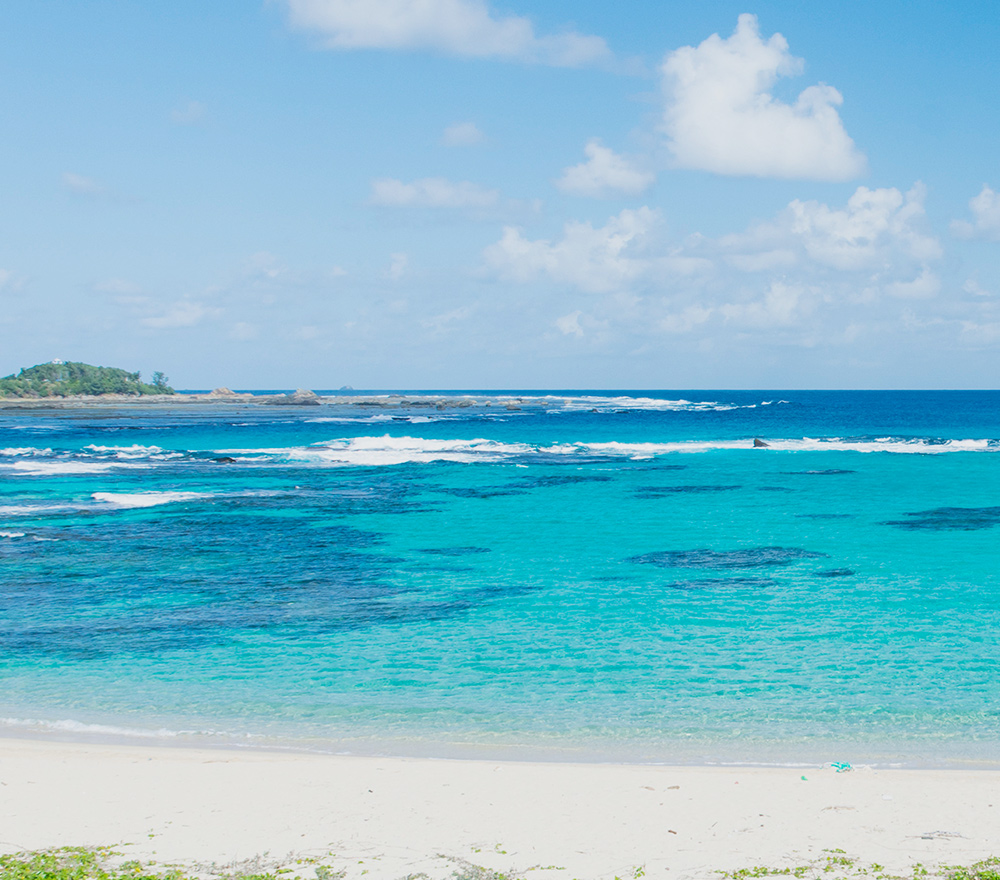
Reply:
x=590, y=576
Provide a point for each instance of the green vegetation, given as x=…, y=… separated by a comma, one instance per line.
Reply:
x=59, y=379
x=104, y=863
x=839, y=865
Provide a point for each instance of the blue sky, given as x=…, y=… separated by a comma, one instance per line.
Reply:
x=462, y=194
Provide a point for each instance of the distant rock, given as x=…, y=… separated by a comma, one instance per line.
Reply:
x=223, y=392
x=760, y=444
x=301, y=397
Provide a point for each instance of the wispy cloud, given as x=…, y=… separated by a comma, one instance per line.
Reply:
x=466, y=28
x=190, y=113
x=462, y=134
x=79, y=185
x=432, y=192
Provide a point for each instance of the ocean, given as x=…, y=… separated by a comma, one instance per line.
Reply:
x=564, y=576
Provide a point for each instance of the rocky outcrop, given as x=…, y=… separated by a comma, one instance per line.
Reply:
x=300, y=397
x=760, y=444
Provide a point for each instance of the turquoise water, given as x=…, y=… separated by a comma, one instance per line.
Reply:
x=589, y=576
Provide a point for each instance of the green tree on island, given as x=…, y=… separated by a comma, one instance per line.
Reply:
x=58, y=379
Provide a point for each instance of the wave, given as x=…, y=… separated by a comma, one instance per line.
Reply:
x=65, y=467
x=135, y=500
x=389, y=450
x=19, y=451
x=12, y=534
x=606, y=404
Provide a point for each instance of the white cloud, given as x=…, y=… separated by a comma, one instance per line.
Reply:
x=462, y=134
x=190, y=113
x=569, y=325
x=779, y=307
x=432, y=192
x=985, y=217
x=924, y=286
x=398, y=264
x=686, y=320
x=82, y=186
x=596, y=260
x=721, y=115
x=878, y=231
x=456, y=27
x=244, y=332
x=181, y=314
x=604, y=173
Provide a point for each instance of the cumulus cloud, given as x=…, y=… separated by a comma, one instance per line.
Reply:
x=462, y=134
x=779, y=308
x=596, y=260
x=569, y=325
x=722, y=117
x=985, y=217
x=604, y=173
x=878, y=230
x=456, y=27
x=924, y=286
x=431, y=192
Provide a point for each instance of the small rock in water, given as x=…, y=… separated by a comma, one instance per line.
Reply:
x=760, y=444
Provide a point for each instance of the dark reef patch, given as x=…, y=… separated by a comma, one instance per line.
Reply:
x=829, y=472
x=752, y=557
x=950, y=519
x=568, y=480
x=722, y=583
x=825, y=516
x=455, y=551
x=667, y=491
x=835, y=573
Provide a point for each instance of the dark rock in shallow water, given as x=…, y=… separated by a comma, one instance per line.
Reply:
x=301, y=397
x=829, y=472
x=836, y=573
x=760, y=444
x=753, y=557
x=224, y=459
x=722, y=583
x=942, y=519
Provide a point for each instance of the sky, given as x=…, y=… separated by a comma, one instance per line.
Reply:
x=462, y=194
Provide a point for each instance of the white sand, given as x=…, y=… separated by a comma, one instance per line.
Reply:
x=391, y=817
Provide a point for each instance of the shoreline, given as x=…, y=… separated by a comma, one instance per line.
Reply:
x=774, y=754
x=390, y=817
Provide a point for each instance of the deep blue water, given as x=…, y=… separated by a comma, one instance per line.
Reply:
x=578, y=574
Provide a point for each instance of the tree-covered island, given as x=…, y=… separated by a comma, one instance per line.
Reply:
x=71, y=379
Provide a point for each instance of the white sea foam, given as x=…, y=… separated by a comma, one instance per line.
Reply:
x=145, y=499
x=133, y=451
x=82, y=728
x=388, y=450
x=24, y=450
x=603, y=404
x=11, y=534
x=63, y=467
x=35, y=509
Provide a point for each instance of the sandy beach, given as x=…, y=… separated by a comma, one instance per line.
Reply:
x=391, y=817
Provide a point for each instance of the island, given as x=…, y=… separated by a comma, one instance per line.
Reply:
x=74, y=379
